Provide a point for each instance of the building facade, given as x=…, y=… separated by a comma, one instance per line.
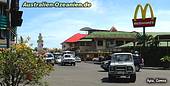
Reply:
x=98, y=42
x=72, y=42
x=104, y=43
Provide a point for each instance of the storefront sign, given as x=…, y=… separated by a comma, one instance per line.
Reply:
x=144, y=22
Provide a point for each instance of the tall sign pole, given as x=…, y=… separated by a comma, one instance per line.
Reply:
x=144, y=37
x=144, y=22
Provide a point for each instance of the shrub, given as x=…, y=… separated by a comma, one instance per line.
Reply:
x=165, y=59
x=20, y=66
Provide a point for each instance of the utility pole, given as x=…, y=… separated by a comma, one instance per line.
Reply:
x=144, y=36
x=9, y=24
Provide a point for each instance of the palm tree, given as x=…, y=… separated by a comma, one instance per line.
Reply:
x=148, y=39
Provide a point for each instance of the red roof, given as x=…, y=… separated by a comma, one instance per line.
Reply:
x=75, y=37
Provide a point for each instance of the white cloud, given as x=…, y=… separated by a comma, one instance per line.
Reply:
x=163, y=20
x=96, y=6
x=54, y=30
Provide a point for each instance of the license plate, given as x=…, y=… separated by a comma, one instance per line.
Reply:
x=120, y=72
x=122, y=76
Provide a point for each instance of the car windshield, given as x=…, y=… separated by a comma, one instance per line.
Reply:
x=122, y=57
x=67, y=56
x=57, y=55
x=77, y=58
x=49, y=55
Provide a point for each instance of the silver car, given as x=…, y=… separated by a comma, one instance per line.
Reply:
x=57, y=57
x=122, y=66
x=49, y=58
x=78, y=59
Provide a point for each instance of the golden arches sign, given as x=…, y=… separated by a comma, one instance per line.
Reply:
x=144, y=22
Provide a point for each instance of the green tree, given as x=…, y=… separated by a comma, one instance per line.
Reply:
x=149, y=39
x=20, y=66
x=166, y=61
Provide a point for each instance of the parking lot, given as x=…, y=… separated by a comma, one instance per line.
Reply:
x=89, y=74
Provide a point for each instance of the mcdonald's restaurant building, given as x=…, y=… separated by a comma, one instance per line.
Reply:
x=98, y=42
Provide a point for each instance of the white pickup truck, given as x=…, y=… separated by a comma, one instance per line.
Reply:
x=68, y=59
x=122, y=66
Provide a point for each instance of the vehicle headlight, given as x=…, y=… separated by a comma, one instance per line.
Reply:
x=112, y=68
x=129, y=68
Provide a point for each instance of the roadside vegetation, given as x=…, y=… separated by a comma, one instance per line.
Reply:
x=20, y=66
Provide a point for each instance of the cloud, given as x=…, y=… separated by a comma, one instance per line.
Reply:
x=54, y=28
x=96, y=6
x=163, y=20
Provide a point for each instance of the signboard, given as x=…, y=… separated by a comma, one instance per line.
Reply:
x=147, y=22
x=144, y=22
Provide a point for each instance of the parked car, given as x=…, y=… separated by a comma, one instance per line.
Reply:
x=78, y=59
x=122, y=66
x=49, y=58
x=68, y=59
x=95, y=59
x=98, y=60
x=105, y=65
x=138, y=61
x=57, y=57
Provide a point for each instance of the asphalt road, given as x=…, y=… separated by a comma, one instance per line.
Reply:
x=88, y=74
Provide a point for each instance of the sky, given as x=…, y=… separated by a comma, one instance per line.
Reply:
x=58, y=24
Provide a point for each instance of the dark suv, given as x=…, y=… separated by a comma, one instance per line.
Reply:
x=138, y=62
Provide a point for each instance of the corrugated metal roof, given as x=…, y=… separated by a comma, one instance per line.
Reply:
x=85, y=40
x=156, y=33
x=117, y=34
x=90, y=29
x=75, y=37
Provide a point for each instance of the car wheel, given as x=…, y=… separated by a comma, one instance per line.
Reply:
x=111, y=78
x=62, y=64
x=137, y=68
x=133, y=78
x=74, y=64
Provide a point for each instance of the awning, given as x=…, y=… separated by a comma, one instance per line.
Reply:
x=127, y=45
x=130, y=44
x=85, y=40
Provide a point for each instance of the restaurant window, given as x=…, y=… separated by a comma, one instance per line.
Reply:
x=82, y=43
x=118, y=43
x=112, y=42
x=127, y=42
x=100, y=43
x=88, y=43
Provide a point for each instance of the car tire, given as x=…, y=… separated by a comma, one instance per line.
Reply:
x=137, y=68
x=74, y=64
x=111, y=78
x=133, y=78
x=62, y=64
